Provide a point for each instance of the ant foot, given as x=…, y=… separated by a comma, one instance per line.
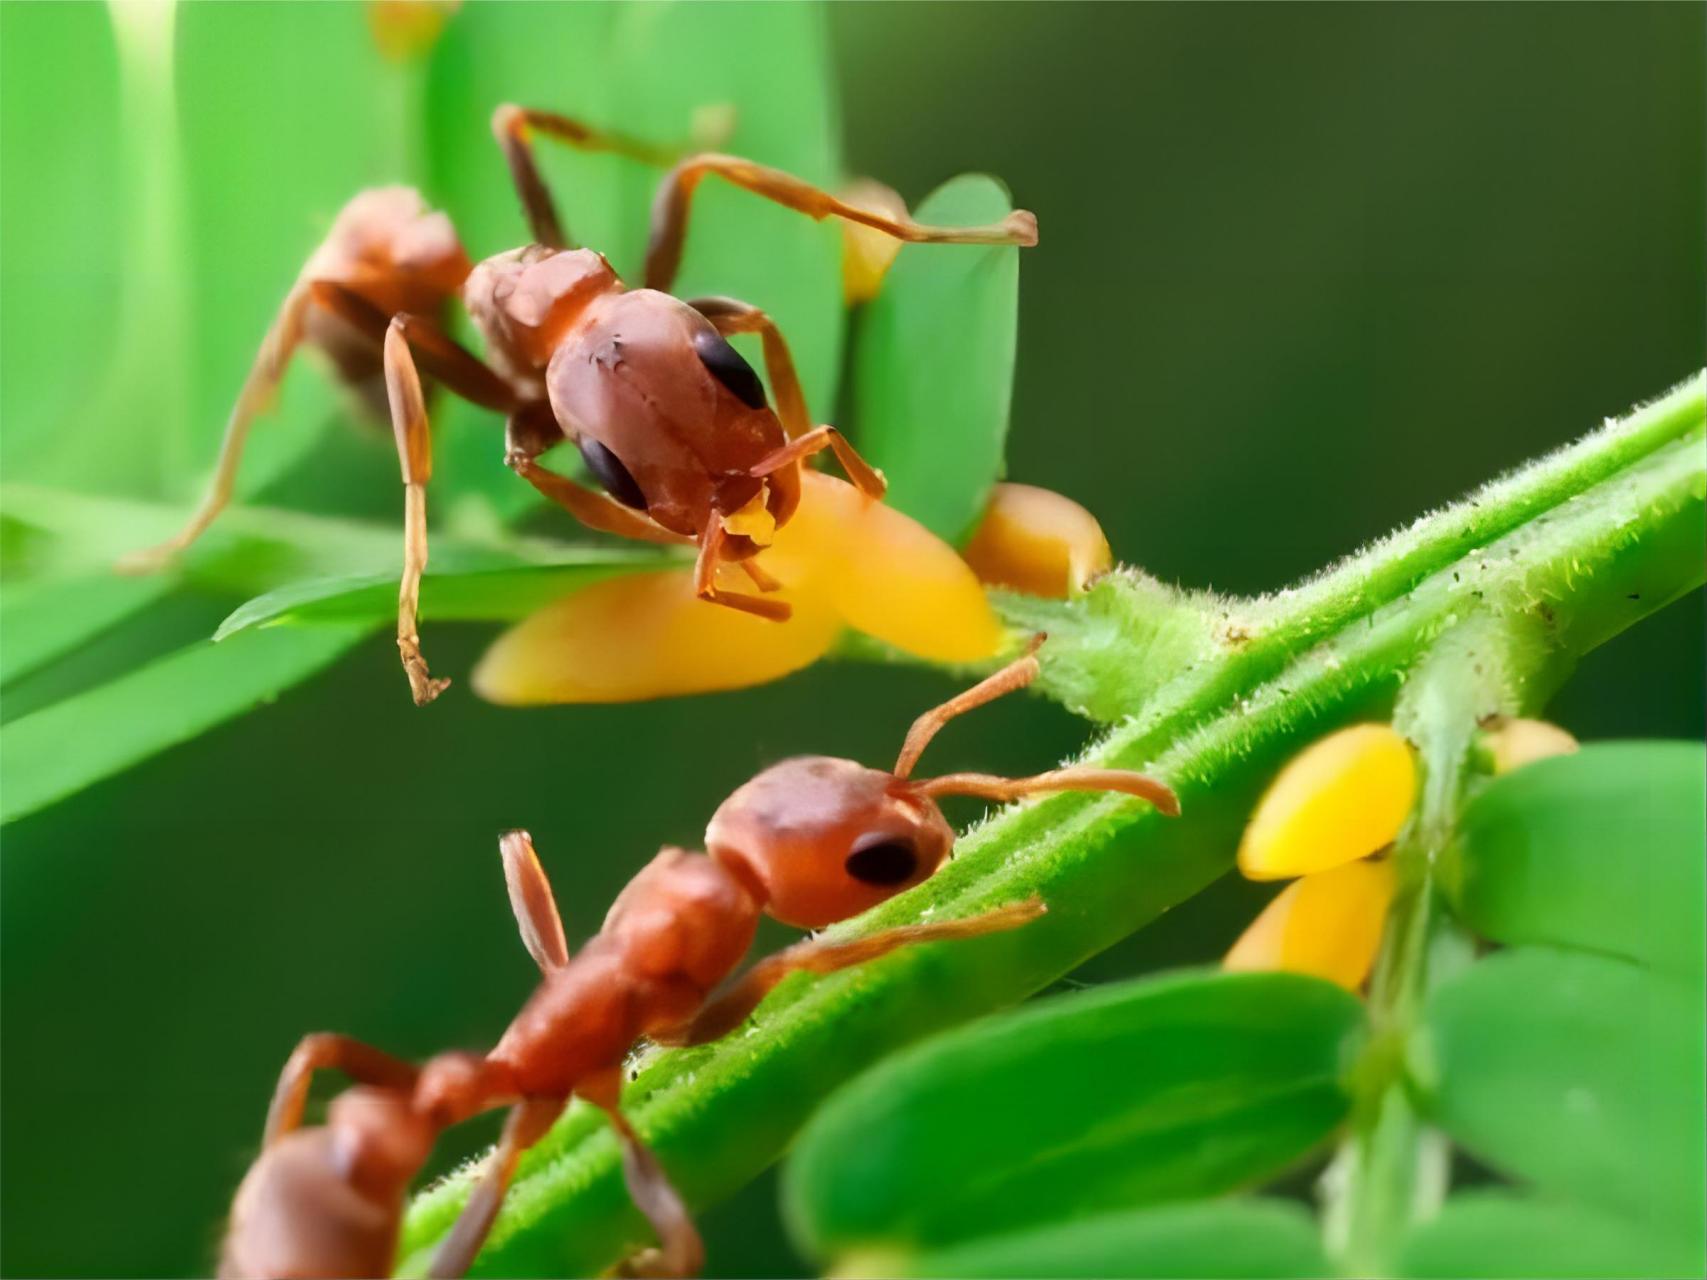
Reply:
x=421, y=683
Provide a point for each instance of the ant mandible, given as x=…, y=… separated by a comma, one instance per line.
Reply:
x=670, y=419
x=810, y=841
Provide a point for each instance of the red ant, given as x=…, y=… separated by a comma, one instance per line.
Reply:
x=810, y=841
x=669, y=418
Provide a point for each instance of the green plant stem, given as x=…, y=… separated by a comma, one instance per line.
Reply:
x=1391, y=1169
x=1577, y=547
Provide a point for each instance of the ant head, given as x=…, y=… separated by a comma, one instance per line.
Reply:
x=824, y=839
x=384, y=1141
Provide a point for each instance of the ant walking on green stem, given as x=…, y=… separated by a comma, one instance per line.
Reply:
x=810, y=841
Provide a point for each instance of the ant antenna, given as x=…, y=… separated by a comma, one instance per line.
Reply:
x=1080, y=778
x=1016, y=675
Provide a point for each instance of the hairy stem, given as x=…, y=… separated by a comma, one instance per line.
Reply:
x=1211, y=696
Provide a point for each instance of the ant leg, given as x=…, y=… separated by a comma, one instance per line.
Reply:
x=683, y=1253
x=513, y=126
x=989, y=787
x=670, y=212
x=867, y=478
x=705, y=579
x=415, y=453
x=277, y=347
x=444, y=359
x=1016, y=675
x=527, y=1124
x=361, y=1062
x=532, y=901
x=723, y=1013
x=531, y=431
x=731, y=315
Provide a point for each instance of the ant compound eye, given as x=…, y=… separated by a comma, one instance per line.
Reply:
x=727, y=366
x=608, y=468
x=884, y=863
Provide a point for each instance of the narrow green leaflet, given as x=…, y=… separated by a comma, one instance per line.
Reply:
x=1238, y=1239
x=1579, y=1074
x=40, y=621
x=479, y=595
x=1600, y=851
x=1497, y=1234
x=934, y=363
x=55, y=752
x=1166, y=1089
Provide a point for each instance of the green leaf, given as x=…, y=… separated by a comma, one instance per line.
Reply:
x=1600, y=851
x=57, y=751
x=1579, y=1074
x=1168, y=1089
x=40, y=621
x=934, y=364
x=1498, y=1234
x=488, y=595
x=1251, y=1239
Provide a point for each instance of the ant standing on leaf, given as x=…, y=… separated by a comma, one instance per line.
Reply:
x=810, y=841
x=669, y=418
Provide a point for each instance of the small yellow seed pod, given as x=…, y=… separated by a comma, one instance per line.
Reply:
x=1037, y=541
x=646, y=635
x=1512, y=743
x=884, y=572
x=1327, y=925
x=867, y=253
x=1341, y=798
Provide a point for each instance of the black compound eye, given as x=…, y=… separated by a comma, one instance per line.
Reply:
x=887, y=862
x=729, y=368
x=611, y=473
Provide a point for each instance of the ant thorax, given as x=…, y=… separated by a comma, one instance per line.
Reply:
x=525, y=301
x=683, y=916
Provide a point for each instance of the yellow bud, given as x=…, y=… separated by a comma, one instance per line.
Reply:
x=1343, y=797
x=754, y=520
x=1037, y=541
x=867, y=253
x=646, y=635
x=1327, y=925
x=886, y=574
x=1512, y=743
x=408, y=28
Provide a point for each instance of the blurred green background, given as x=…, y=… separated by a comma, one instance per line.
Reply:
x=1305, y=272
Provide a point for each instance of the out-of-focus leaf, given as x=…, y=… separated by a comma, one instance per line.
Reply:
x=934, y=364
x=1601, y=850
x=258, y=197
x=650, y=71
x=1498, y=1234
x=1167, y=1089
x=39, y=621
x=60, y=256
x=56, y=752
x=1579, y=1074
x=502, y=594
x=1249, y=1239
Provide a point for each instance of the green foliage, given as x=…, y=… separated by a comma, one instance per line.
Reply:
x=1496, y=1233
x=1236, y=1239
x=1216, y=727
x=1165, y=1089
x=934, y=362
x=1592, y=851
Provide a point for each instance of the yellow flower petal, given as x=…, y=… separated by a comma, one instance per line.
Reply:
x=1327, y=925
x=1037, y=541
x=1513, y=743
x=887, y=574
x=1344, y=797
x=867, y=254
x=647, y=635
